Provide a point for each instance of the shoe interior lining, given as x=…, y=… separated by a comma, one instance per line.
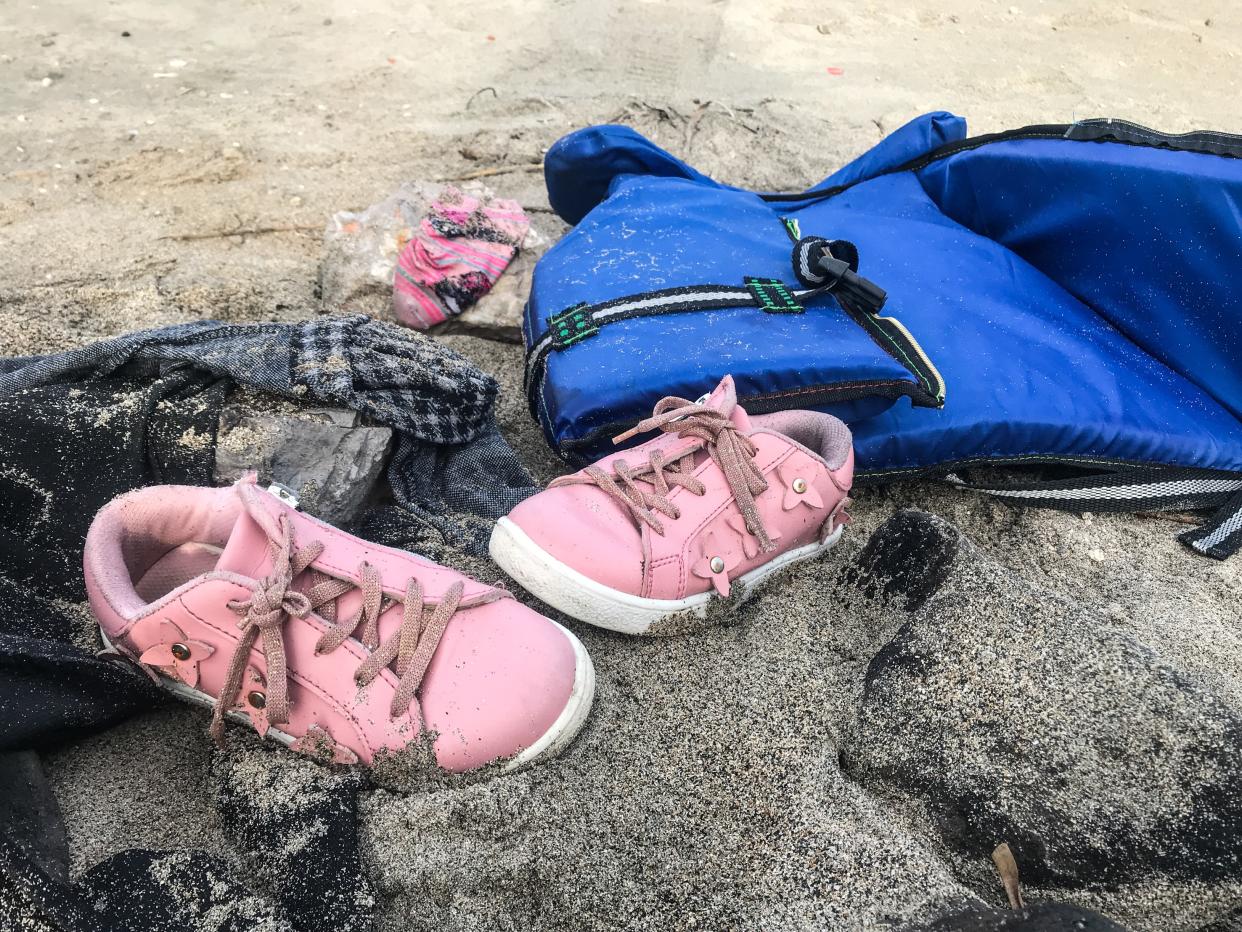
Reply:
x=156, y=539
x=821, y=433
x=176, y=568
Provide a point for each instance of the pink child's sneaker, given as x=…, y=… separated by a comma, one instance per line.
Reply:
x=717, y=501
x=324, y=642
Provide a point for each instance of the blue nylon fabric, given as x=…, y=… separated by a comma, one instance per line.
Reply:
x=687, y=232
x=1161, y=269
x=922, y=134
x=1078, y=297
x=579, y=169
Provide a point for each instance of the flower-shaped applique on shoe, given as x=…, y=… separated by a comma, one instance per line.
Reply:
x=719, y=497
x=718, y=556
x=177, y=655
x=234, y=599
x=251, y=700
x=750, y=543
x=320, y=745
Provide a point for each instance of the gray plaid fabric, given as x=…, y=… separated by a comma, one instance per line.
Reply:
x=449, y=455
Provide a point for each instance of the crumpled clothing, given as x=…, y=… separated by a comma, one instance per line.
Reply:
x=461, y=247
x=322, y=883
x=449, y=455
x=413, y=385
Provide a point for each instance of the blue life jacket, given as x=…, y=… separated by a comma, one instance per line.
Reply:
x=1054, y=295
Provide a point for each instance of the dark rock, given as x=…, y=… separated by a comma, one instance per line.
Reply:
x=1020, y=717
x=908, y=557
x=1043, y=917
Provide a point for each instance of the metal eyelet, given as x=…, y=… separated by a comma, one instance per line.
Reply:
x=181, y=651
x=256, y=699
x=799, y=485
x=717, y=565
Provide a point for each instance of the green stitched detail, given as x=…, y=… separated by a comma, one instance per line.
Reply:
x=772, y=295
x=792, y=228
x=570, y=326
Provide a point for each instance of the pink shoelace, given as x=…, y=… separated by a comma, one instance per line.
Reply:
x=731, y=450
x=272, y=602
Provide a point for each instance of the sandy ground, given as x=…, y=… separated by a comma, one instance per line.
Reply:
x=163, y=162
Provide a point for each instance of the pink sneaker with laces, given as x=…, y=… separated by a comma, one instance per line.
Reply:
x=720, y=500
x=334, y=646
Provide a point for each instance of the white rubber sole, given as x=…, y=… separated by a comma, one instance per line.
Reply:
x=581, y=597
x=551, y=743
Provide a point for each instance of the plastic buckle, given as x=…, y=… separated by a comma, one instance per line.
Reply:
x=833, y=267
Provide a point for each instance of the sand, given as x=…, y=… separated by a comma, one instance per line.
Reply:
x=186, y=171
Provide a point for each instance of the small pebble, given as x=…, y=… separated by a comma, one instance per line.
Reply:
x=46, y=82
x=295, y=201
x=1096, y=554
x=177, y=63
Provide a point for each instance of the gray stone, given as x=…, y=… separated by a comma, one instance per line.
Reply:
x=328, y=457
x=498, y=314
x=1018, y=716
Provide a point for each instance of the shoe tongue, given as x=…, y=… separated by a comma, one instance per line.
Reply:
x=247, y=552
x=724, y=399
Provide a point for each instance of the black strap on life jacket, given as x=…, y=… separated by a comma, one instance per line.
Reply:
x=1139, y=488
x=824, y=269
